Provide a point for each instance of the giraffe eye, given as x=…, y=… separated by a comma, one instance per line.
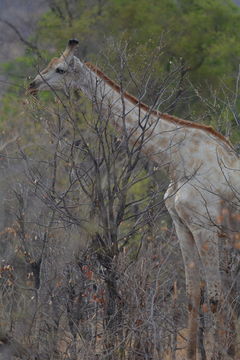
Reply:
x=60, y=71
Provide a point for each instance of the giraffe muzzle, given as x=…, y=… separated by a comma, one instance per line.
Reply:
x=32, y=89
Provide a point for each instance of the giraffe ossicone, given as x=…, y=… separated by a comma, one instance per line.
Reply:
x=203, y=168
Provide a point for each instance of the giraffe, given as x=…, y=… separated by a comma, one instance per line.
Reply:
x=203, y=169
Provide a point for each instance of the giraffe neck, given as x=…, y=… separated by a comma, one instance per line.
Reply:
x=166, y=140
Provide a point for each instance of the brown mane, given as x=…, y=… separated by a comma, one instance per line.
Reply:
x=145, y=107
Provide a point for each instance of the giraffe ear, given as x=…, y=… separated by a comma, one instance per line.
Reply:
x=68, y=52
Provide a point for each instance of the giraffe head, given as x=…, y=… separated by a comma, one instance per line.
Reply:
x=60, y=74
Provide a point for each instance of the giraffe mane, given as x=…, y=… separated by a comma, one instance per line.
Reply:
x=145, y=107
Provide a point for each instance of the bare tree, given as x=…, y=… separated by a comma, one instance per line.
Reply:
x=98, y=272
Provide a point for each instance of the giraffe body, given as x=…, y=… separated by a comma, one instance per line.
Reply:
x=203, y=168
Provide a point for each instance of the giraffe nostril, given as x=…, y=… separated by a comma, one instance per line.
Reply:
x=32, y=89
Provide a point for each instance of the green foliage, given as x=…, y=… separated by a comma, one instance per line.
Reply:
x=51, y=24
x=202, y=36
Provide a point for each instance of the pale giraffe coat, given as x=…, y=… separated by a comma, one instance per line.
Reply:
x=202, y=165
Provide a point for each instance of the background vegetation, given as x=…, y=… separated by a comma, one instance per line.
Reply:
x=90, y=265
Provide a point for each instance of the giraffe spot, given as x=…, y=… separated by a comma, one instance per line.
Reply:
x=195, y=141
x=205, y=308
x=236, y=245
x=205, y=246
x=237, y=236
x=225, y=212
x=193, y=149
x=236, y=217
x=219, y=219
x=192, y=265
x=164, y=142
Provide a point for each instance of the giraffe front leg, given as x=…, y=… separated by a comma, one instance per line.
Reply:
x=192, y=274
x=191, y=265
x=198, y=210
x=193, y=293
x=223, y=332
